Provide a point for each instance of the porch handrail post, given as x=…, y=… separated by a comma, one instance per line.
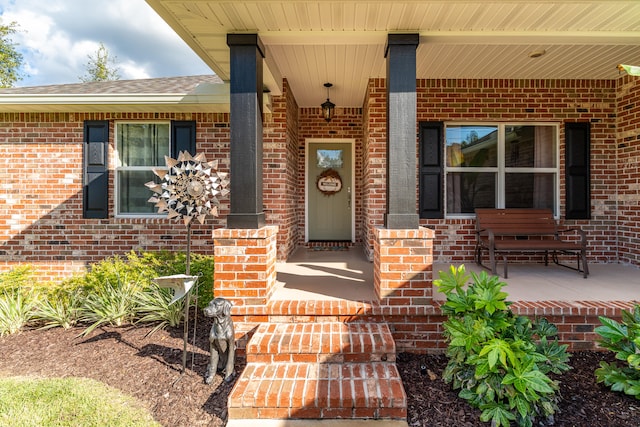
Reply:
x=400, y=54
x=246, y=206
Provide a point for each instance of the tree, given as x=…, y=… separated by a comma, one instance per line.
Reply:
x=101, y=67
x=10, y=58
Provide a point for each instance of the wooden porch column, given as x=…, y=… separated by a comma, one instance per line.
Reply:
x=401, y=131
x=246, y=55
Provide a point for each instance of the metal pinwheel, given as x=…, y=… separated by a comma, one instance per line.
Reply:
x=190, y=187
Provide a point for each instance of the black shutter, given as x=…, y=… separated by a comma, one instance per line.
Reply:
x=431, y=170
x=183, y=137
x=577, y=170
x=95, y=197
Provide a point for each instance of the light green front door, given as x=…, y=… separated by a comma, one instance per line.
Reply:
x=329, y=191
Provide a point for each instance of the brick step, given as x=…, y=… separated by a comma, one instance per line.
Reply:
x=323, y=342
x=289, y=391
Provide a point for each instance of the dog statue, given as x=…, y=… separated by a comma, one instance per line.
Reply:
x=221, y=340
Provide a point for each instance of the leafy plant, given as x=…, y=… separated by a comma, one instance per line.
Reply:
x=113, y=304
x=59, y=307
x=154, y=306
x=19, y=277
x=499, y=361
x=143, y=268
x=16, y=310
x=624, y=340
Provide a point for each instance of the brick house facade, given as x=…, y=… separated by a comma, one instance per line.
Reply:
x=41, y=213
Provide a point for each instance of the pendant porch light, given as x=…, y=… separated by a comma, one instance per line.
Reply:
x=328, y=107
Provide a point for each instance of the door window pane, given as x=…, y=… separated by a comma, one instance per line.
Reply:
x=329, y=159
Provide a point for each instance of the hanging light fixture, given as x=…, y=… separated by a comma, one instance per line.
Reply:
x=328, y=107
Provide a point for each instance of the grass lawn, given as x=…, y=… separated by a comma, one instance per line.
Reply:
x=57, y=402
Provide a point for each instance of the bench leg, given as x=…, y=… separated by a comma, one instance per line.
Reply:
x=585, y=267
x=493, y=262
x=504, y=259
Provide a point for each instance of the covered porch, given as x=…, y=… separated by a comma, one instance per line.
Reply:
x=344, y=273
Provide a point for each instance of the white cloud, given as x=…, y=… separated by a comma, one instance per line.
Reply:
x=57, y=36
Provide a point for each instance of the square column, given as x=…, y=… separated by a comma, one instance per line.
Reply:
x=402, y=266
x=245, y=270
x=246, y=56
x=401, y=131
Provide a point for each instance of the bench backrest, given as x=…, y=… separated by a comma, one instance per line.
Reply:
x=515, y=221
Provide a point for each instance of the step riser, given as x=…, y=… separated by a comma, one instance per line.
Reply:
x=349, y=340
x=320, y=371
x=321, y=358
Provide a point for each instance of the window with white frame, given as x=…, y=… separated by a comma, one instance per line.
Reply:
x=500, y=165
x=140, y=148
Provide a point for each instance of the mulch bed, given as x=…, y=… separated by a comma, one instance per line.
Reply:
x=149, y=368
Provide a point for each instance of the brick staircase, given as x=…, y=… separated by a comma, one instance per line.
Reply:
x=327, y=373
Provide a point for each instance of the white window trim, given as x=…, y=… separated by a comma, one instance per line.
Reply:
x=501, y=170
x=118, y=167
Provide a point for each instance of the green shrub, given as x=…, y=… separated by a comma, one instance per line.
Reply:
x=154, y=306
x=112, y=304
x=624, y=340
x=19, y=277
x=16, y=309
x=143, y=268
x=498, y=361
x=59, y=307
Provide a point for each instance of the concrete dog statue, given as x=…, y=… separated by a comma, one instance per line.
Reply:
x=221, y=340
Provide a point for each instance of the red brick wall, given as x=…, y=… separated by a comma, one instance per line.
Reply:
x=41, y=200
x=628, y=169
x=374, y=161
x=557, y=101
x=282, y=192
x=347, y=123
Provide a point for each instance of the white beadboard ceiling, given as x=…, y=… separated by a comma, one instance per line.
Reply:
x=343, y=42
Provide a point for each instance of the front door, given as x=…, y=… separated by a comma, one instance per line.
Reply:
x=329, y=190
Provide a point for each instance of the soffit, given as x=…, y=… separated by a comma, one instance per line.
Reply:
x=343, y=42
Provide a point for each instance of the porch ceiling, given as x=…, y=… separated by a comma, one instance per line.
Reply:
x=343, y=42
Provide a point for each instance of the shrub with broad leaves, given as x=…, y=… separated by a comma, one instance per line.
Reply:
x=499, y=361
x=624, y=340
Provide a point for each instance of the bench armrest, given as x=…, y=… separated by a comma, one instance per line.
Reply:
x=489, y=233
x=581, y=232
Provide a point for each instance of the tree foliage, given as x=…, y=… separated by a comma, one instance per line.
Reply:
x=101, y=67
x=10, y=59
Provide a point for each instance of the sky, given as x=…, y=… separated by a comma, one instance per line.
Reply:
x=56, y=38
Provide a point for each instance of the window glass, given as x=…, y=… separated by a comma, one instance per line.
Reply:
x=132, y=194
x=143, y=144
x=329, y=159
x=530, y=147
x=467, y=191
x=472, y=146
x=530, y=190
x=501, y=165
x=141, y=147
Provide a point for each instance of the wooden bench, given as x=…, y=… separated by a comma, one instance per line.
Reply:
x=506, y=231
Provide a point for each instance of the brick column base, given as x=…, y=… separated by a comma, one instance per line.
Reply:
x=402, y=266
x=245, y=264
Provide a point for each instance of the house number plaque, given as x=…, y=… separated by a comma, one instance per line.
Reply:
x=329, y=182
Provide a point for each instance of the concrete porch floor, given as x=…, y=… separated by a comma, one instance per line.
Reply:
x=347, y=275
